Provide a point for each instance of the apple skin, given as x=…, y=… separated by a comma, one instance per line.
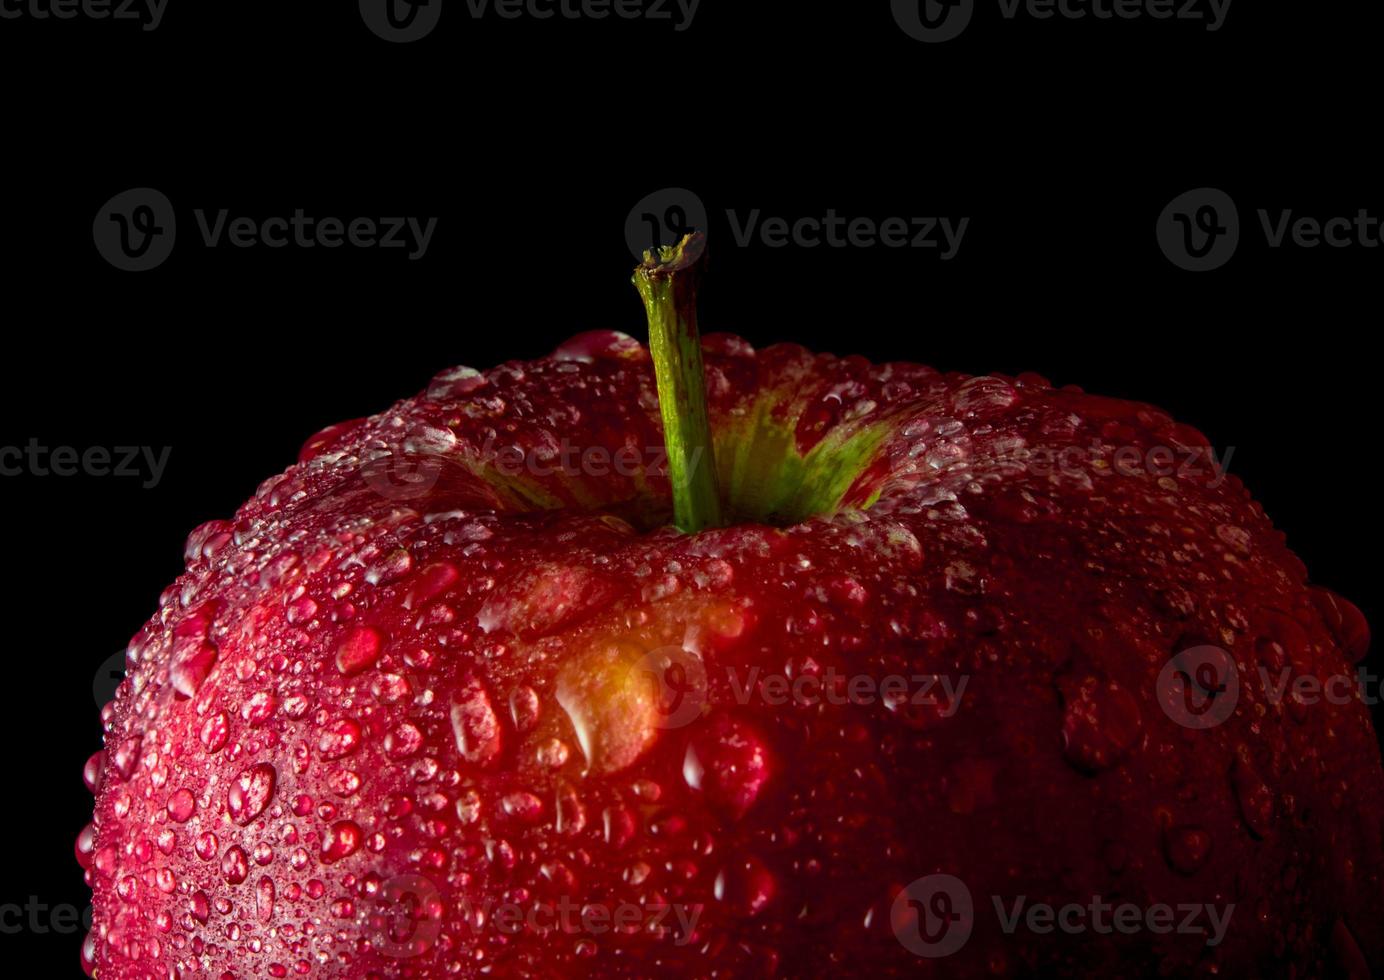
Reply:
x=395, y=688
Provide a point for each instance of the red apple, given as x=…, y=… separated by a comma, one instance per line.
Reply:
x=451, y=697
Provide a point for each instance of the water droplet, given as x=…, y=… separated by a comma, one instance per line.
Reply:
x=619, y=826
x=524, y=708
x=394, y=566
x=258, y=707
x=553, y=753
x=341, y=840
x=234, y=867
x=339, y=739
x=431, y=582
x=1100, y=723
x=1346, y=622
x=191, y=667
x=91, y=772
x=403, y=741
x=85, y=846
x=126, y=757
x=206, y=845
x=1187, y=847
x=523, y=806
x=729, y=762
x=251, y=793
x=181, y=805
x=474, y=725
x=358, y=650
x=746, y=886
x=1234, y=537
x=215, y=730
x=1253, y=795
x=454, y=383
x=594, y=345
x=264, y=899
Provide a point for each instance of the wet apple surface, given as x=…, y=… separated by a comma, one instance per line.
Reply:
x=451, y=697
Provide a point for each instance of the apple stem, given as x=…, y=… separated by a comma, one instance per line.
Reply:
x=667, y=280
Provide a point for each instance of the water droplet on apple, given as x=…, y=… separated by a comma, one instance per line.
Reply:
x=358, y=650
x=475, y=728
x=339, y=739
x=1101, y=722
x=1187, y=848
x=251, y=792
x=728, y=762
x=746, y=886
x=341, y=840
x=1253, y=795
x=181, y=805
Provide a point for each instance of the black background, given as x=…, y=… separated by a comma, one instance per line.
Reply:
x=530, y=142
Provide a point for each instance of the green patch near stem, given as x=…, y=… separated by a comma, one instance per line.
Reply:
x=769, y=481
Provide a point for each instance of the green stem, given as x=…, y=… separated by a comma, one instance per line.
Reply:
x=667, y=280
